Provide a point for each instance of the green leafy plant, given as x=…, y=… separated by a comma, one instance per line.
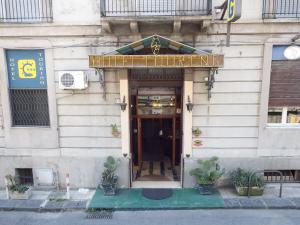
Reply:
x=114, y=130
x=207, y=171
x=13, y=186
x=196, y=132
x=240, y=178
x=111, y=165
x=109, y=179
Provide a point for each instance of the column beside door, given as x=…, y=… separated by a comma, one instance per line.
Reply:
x=125, y=126
x=187, y=116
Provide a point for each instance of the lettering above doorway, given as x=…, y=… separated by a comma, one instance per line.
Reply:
x=156, y=61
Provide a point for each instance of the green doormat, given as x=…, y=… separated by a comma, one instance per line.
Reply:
x=132, y=199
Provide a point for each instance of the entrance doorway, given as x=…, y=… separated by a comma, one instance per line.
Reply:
x=156, y=126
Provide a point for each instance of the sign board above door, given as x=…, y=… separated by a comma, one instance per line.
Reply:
x=156, y=61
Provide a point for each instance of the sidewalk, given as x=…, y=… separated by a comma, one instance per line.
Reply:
x=54, y=201
x=270, y=200
x=47, y=201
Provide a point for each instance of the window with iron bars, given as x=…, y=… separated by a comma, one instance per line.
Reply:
x=29, y=107
x=25, y=11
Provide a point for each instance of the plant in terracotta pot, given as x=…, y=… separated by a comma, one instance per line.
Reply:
x=196, y=132
x=109, y=180
x=17, y=191
x=207, y=174
x=114, y=130
x=240, y=179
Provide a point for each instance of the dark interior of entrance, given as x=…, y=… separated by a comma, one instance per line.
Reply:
x=156, y=124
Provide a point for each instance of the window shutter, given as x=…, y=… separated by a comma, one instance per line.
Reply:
x=285, y=83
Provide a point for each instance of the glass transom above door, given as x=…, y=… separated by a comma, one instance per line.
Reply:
x=156, y=105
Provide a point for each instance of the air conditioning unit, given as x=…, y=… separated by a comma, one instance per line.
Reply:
x=72, y=80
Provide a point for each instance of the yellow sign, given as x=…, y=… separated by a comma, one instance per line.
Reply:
x=156, y=61
x=27, y=69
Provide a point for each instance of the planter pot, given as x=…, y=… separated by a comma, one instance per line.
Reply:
x=116, y=134
x=197, y=143
x=205, y=189
x=196, y=134
x=253, y=191
x=20, y=196
x=110, y=189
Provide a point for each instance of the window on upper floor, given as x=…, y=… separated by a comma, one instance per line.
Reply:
x=284, y=96
x=25, y=11
x=28, y=88
x=273, y=9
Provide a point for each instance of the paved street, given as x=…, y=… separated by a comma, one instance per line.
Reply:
x=218, y=217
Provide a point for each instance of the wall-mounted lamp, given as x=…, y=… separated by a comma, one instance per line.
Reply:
x=125, y=155
x=292, y=52
x=189, y=104
x=188, y=155
x=122, y=104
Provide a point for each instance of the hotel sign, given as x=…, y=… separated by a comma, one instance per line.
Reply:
x=156, y=61
x=26, y=69
x=234, y=9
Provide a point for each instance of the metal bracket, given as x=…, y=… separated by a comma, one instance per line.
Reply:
x=211, y=80
x=224, y=8
x=102, y=81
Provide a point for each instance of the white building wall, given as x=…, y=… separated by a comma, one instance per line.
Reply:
x=2, y=141
x=84, y=116
x=77, y=12
x=229, y=120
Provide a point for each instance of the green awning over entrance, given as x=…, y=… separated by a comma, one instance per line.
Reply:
x=164, y=43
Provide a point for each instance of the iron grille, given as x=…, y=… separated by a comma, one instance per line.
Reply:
x=273, y=9
x=289, y=176
x=155, y=7
x=29, y=107
x=25, y=11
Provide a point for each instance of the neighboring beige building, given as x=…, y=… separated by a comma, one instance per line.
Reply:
x=249, y=118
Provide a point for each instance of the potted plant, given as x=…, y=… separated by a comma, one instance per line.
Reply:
x=114, y=130
x=197, y=143
x=17, y=191
x=196, y=132
x=207, y=174
x=240, y=179
x=109, y=180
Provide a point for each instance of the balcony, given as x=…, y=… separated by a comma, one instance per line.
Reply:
x=26, y=11
x=137, y=13
x=142, y=8
x=273, y=9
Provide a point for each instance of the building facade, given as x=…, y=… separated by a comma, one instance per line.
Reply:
x=240, y=103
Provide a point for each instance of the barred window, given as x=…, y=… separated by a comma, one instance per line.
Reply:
x=29, y=107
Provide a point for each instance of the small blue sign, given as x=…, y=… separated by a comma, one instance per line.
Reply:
x=277, y=53
x=26, y=69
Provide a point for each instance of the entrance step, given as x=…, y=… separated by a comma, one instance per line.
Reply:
x=156, y=184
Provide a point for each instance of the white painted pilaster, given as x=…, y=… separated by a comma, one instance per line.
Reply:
x=187, y=116
x=125, y=131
